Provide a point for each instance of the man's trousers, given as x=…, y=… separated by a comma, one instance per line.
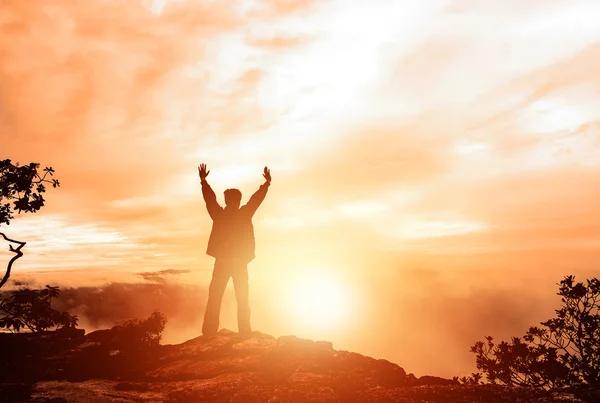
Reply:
x=223, y=270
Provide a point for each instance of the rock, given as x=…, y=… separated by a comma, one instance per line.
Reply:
x=14, y=392
x=69, y=332
x=324, y=345
x=587, y=393
x=434, y=380
x=227, y=332
x=294, y=341
x=390, y=374
x=100, y=336
x=411, y=379
x=227, y=368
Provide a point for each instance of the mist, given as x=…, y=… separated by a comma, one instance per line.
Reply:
x=423, y=320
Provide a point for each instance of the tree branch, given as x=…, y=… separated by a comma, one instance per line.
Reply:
x=18, y=254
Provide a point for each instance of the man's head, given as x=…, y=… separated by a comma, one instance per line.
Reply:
x=233, y=198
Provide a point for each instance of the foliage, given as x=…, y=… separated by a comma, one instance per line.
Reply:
x=142, y=333
x=32, y=309
x=473, y=379
x=564, y=351
x=24, y=186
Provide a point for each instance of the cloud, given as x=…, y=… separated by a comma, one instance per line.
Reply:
x=432, y=316
x=277, y=42
x=281, y=8
x=160, y=277
x=95, y=99
x=106, y=61
x=111, y=304
x=373, y=159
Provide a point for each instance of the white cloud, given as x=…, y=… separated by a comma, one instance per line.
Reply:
x=416, y=229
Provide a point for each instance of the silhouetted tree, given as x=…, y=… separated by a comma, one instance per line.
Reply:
x=564, y=351
x=23, y=185
x=31, y=309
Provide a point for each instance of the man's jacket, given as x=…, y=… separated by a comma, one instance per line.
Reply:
x=232, y=234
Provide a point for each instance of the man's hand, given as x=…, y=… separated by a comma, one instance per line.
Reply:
x=203, y=172
x=267, y=175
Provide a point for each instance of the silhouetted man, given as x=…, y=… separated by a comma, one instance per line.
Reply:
x=231, y=243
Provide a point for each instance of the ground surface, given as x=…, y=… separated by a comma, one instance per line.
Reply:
x=227, y=368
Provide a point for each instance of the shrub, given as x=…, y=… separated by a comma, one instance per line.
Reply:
x=32, y=309
x=473, y=379
x=142, y=333
x=564, y=351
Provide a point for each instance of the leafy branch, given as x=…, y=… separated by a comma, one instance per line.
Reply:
x=23, y=185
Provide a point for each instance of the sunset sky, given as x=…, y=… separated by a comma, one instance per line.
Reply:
x=436, y=164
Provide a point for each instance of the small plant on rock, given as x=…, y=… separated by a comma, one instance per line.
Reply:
x=142, y=333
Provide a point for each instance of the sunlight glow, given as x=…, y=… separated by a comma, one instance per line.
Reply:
x=361, y=210
x=318, y=301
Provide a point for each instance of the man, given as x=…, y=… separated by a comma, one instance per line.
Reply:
x=231, y=243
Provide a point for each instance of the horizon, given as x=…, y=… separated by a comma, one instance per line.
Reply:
x=435, y=166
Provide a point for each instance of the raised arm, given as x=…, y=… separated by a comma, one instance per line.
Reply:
x=258, y=197
x=209, y=195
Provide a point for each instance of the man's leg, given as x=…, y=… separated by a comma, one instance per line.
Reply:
x=240, y=283
x=220, y=277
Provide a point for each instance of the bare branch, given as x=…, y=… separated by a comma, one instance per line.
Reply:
x=18, y=254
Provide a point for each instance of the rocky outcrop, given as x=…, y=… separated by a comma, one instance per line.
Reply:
x=71, y=367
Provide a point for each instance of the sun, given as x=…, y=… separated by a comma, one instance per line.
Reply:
x=318, y=301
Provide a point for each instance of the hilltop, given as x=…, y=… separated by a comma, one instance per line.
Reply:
x=69, y=366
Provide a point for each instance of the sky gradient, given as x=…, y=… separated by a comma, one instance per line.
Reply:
x=439, y=161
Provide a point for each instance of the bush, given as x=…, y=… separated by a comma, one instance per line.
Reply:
x=564, y=351
x=31, y=309
x=142, y=333
x=473, y=379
